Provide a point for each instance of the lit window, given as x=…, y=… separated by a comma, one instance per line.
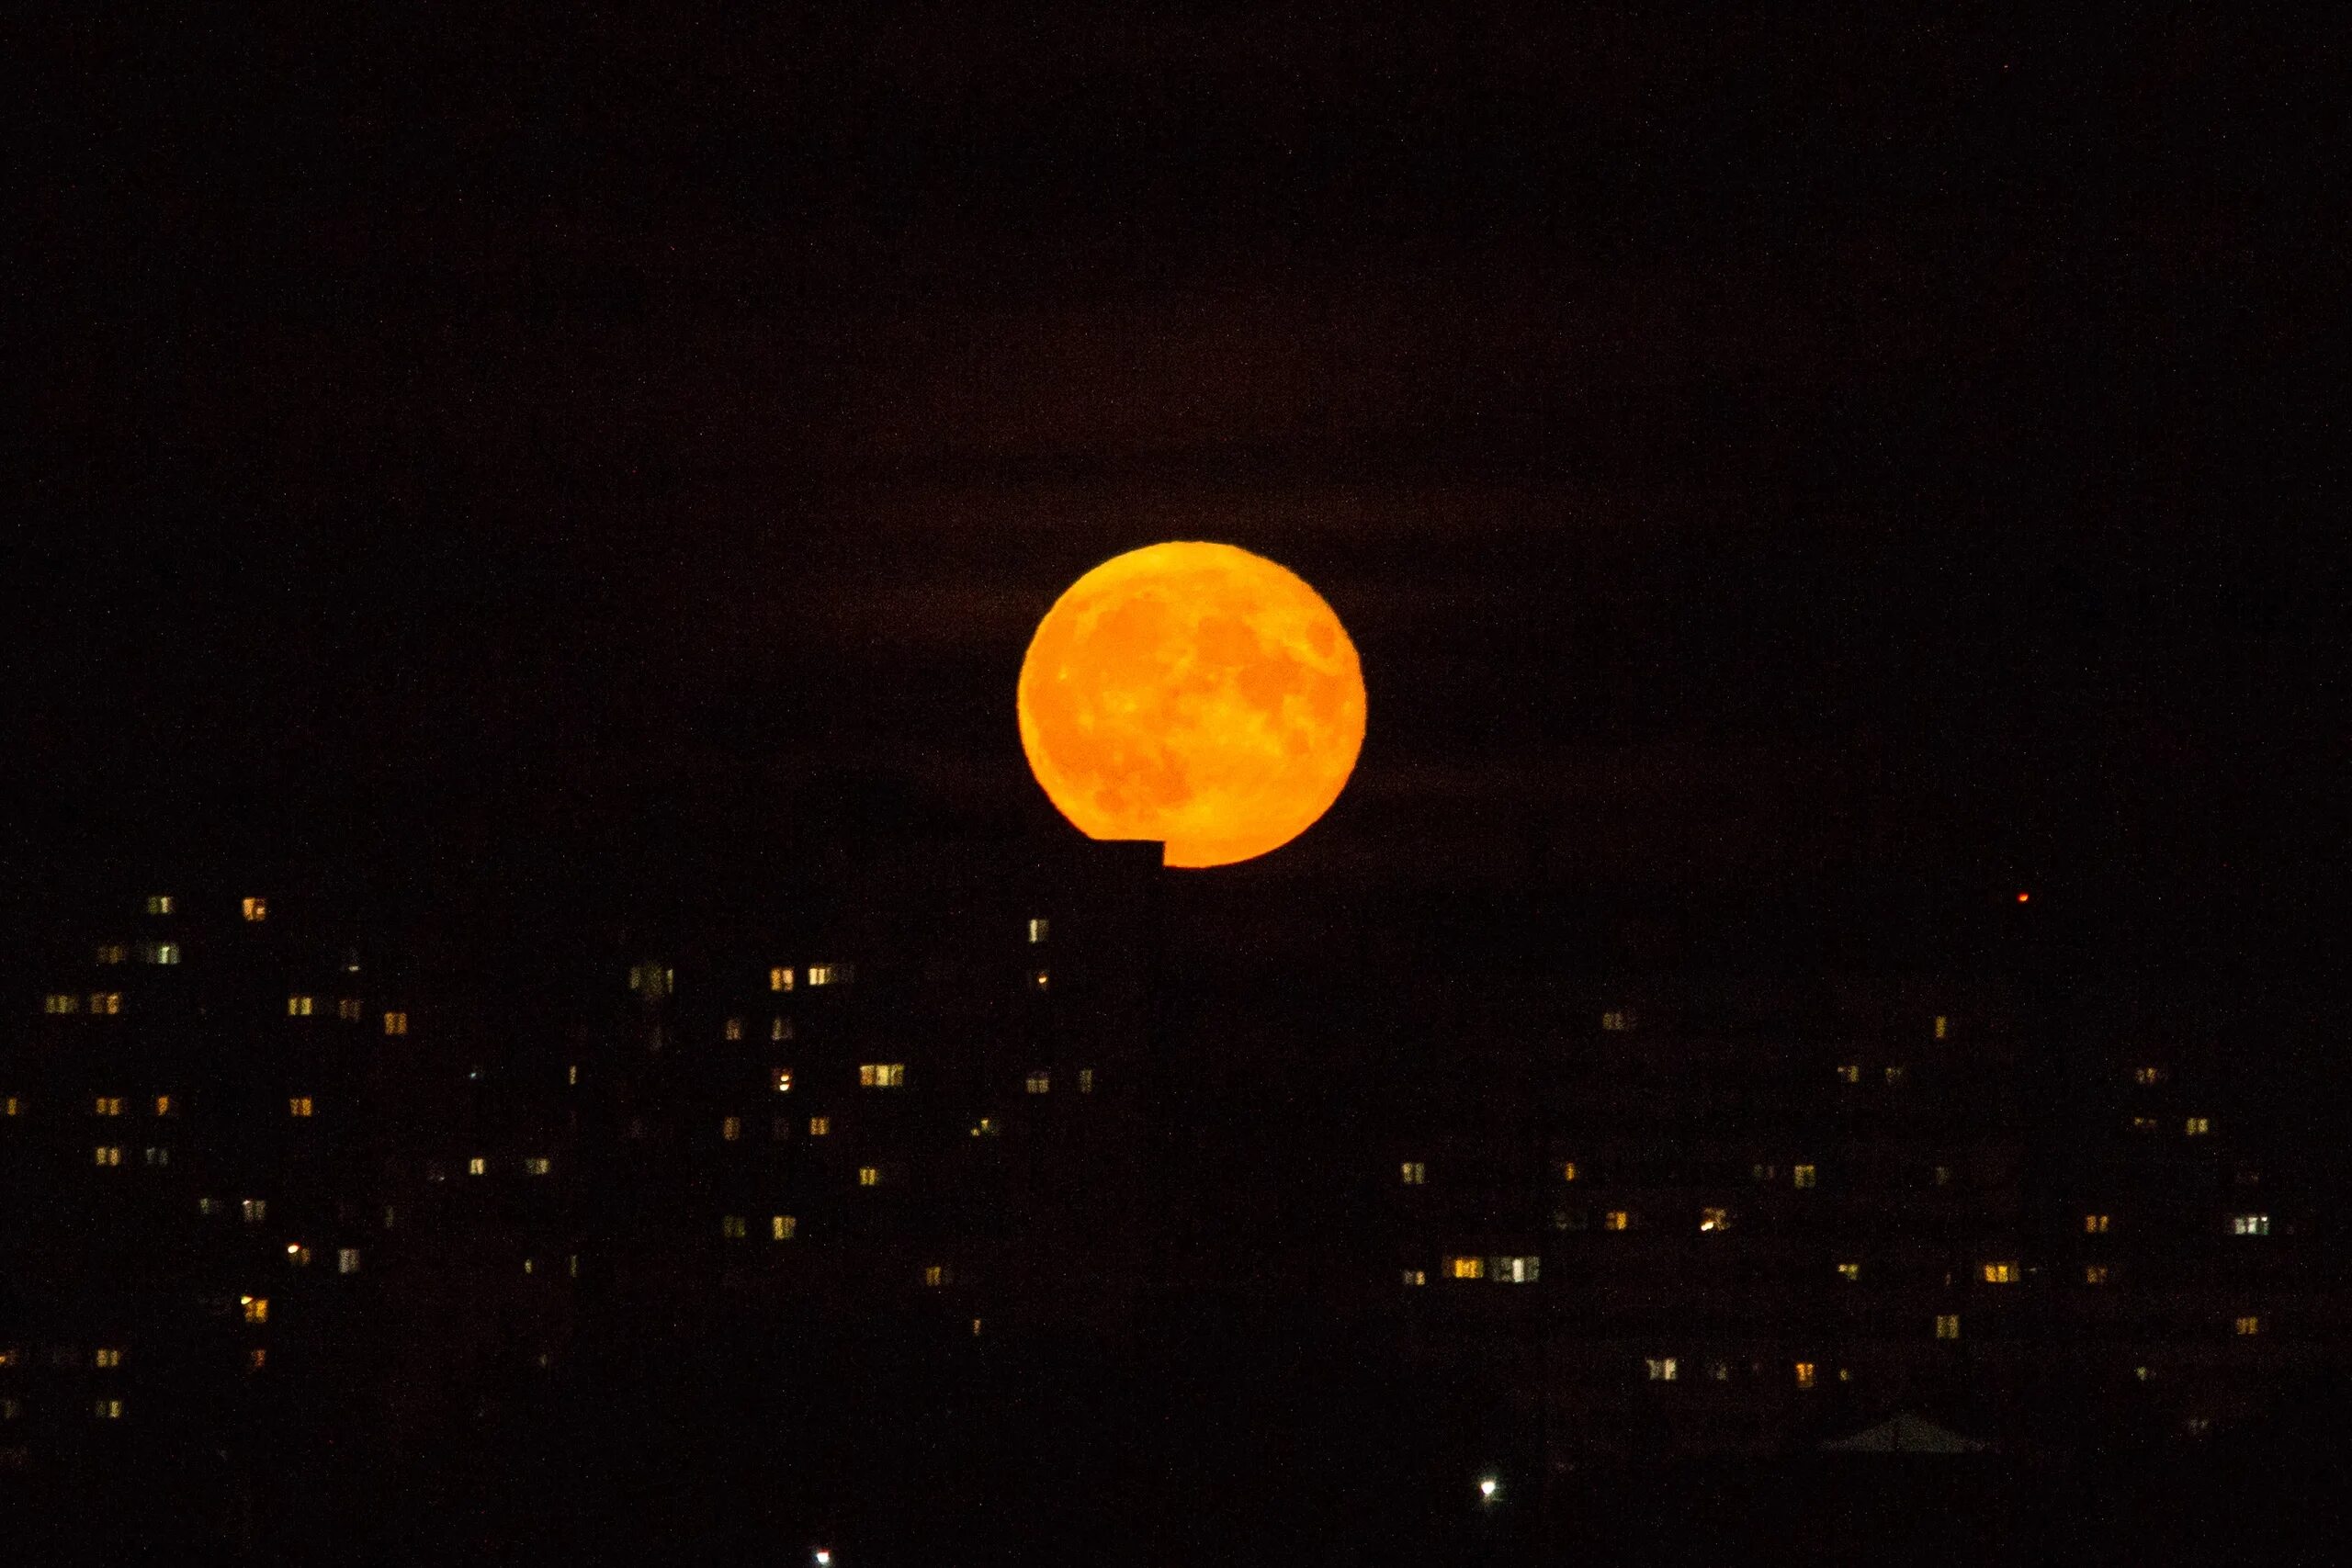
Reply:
x=820, y=1125
x=2144, y=1123
x=1948, y=1326
x=1465, y=1268
x=1416, y=1173
x=298, y=1007
x=782, y=1227
x=1616, y=1022
x=255, y=1210
x=256, y=1308
x=1943, y=1176
x=829, y=973
x=108, y=1357
x=779, y=979
x=297, y=1255
x=1617, y=1220
x=1714, y=1219
x=2198, y=1126
x=651, y=980
x=985, y=1127
x=112, y=953
x=1038, y=930
x=730, y=1128
x=2249, y=1225
x=160, y=952
x=59, y=1002
x=108, y=1154
x=1417, y=1276
x=163, y=1105
x=108, y=1105
x=298, y=1106
x=1764, y=1172
x=2000, y=1273
x=159, y=1155
x=2094, y=1273
x=10, y=1355
x=207, y=1205
x=256, y=908
x=1805, y=1371
x=1849, y=1271
x=257, y=1358
x=538, y=1164
x=1943, y=1027
x=732, y=1029
x=159, y=903
x=882, y=1075
x=869, y=1176
x=348, y=1009
x=1516, y=1270
x=1038, y=1083
x=1895, y=1074
x=1661, y=1369
x=780, y=1080
x=779, y=1029
x=1086, y=1080
x=2147, y=1075
x=1806, y=1174
x=478, y=1165
x=2096, y=1224
x=1850, y=1072
x=572, y=1074
x=934, y=1274
x=108, y=1410
x=391, y=1217
x=2249, y=1327
x=105, y=1004
x=12, y=1106
x=732, y=1228
x=975, y=1328
x=396, y=1023
x=346, y=1261
x=1568, y=1170
x=571, y=1265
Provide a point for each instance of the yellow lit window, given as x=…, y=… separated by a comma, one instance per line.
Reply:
x=869, y=1176
x=780, y=1080
x=572, y=1074
x=1762, y=1172
x=298, y=1106
x=1417, y=1276
x=1850, y=1072
x=108, y=1105
x=396, y=1023
x=2198, y=1126
x=112, y=953
x=1465, y=1268
x=882, y=1075
x=159, y=903
x=12, y=1106
x=108, y=1154
x=820, y=1125
x=256, y=908
x=2144, y=1123
x=2147, y=1075
x=779, y=979
x=163, y=1105
x=1943, y=1027
x=732, y=1029
x=828, y=973
x=1086, y=1080
x=59, y=1002
x=1849, y=1271
x=108, y=1410
x=1617, y=1220
x=257, y=1358
x=782, y=1227
x=297, y=1255
x=732, y=1228
x=1616, y=1022
x=346, y=1261
x=256, y=1308
x=477, y=1165
x=1806, y=1175
x=255, y=1210
x=298, y=1007
x=1660, y=1369
x=934, y=1274
x=1804, y=1374
x=2094, y=1273
x=105, y=1004
x=1943, y=1176
x=160, y=953
x=1038, y=930
x=538, y=1164
x=2249, y=1225
x=2249, y=1327
x=1040, y=980
x=730, y=1128
x=2096, y=1224
x=348, y=1009
x=1714, y=1219
x=779, y=1029
x=2000, y=1273
x=1895, y=1074
x=108, y=1357
x=985, y=1127
x=1038, y=1083
x=1948, y=1326
x=1416, y=1173
x=1568, y=1170
x=9, y=1355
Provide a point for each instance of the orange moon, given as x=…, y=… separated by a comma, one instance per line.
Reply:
x=1194, y=694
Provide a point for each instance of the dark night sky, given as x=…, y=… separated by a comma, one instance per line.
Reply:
x=1787, y=454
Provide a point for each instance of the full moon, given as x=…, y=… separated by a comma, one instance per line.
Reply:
x=1194, y=694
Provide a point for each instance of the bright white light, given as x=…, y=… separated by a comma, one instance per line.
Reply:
x=1488, y=1487
x=824, y=1557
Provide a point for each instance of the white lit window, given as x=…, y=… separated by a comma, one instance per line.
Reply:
x=478, y=1165
x=1417, y=1276
x=2249, y=1225
x=732, y=1228
x=160, y=952
x=1806, y=1175
x=538, y=1164
x=730, y=1128
x=1465, y=1268
x=1948, y=1326
x=159, y=903
x=782, y=1227
x=108, y=1154
x=396, y=1023
x=158, y=1155
x=349, y=1010
x=256, y=1209
x=1038, y=1083
x=1038, y=930
x=1661, y=1369
x=1516, y=1270
x=780, y=979
x=256, y=908
x=2000, y=1273
x=869, y=1176
x=298, y=1007
x=1849, y=1272
x=1714, y=1219
x=300, y=1105
x=572, y=1074
x=108, y=1105
x=732, y=1029
x=346, y=1261
x=1416, y=1173
x=882, y=1075
x=1616, y=1021
x=1805, y=1371
x=59, y=1002
x=1086, y=1080
x=1850, y=1072
x=2249, y=1326
x=2096, y=1224
x=2198, y=1126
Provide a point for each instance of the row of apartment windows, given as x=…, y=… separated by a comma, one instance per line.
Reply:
x=108, y=1004
x=1623, y=1021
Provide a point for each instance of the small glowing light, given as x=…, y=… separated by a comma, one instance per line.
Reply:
x=1487, y=1488
x=824, y=1557
x=2025, y=897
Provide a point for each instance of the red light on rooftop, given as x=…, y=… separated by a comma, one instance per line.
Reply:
x=2024, y=897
